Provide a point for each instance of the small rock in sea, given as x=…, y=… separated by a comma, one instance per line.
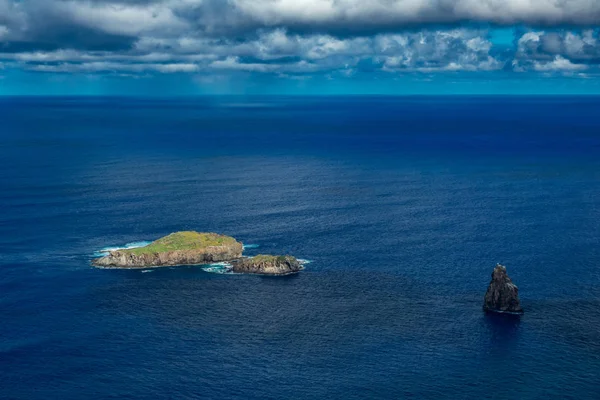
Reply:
x=502, y=295
x=267, y=265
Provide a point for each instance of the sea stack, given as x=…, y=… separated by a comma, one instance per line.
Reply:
x=267, y=265
x=502, y=295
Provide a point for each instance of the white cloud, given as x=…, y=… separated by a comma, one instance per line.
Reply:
x=455, y=50
x=12, y=18
x=82, y=56
x=277, y=51
x=557, y=51
x=94, y=67
x=581, y=46
x=359, y=13
x=290, y=37
x=233, y=63
x=172, y=68
x=558, y=64
x=123, y=19
x=175, y=18
x=3, y=32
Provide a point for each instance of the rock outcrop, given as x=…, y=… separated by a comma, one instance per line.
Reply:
x=194, y=248
x=180, y=248
x=502, y=295
x=267, y=265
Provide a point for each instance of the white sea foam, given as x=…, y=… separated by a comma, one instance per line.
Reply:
x=302, y=261
x=218, y=268
x=251, y=246
x=133, y=245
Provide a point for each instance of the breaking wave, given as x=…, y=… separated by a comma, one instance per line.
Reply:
x=218, y=268
x=133, y=245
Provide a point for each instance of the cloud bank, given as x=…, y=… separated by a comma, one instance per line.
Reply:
x=297, y=37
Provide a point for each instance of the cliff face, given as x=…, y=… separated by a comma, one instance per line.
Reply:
x=267, y=265
x=181, y=248
x=502, y=295
x=123, y=259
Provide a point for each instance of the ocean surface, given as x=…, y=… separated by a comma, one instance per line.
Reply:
x=402, y=205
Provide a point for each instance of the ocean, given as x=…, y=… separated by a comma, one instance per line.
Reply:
x=402, y=205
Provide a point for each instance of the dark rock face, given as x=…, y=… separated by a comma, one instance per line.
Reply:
x=502, y=295
x=124, y=259
x=267, y=265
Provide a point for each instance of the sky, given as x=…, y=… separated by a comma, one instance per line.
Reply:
x=299, y=47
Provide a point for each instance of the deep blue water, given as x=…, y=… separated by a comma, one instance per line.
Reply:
x=403, y=205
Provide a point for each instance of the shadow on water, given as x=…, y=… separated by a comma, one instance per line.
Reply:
x=287, y=277
x=503, y=332
x=502, y=324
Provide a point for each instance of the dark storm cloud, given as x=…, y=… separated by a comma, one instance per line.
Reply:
x=323, y=16
x=34, y=25
x=63, y=37
x=385, y=15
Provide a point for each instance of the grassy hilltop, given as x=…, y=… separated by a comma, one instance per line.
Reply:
x=181, y=241
x=263, y=258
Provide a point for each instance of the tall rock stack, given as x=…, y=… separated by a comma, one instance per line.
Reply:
x=502, y=295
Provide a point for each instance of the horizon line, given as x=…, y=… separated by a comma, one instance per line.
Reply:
x=313, y=95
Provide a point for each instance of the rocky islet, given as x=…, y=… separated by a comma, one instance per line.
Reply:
x=502, y=295
x=194, y=248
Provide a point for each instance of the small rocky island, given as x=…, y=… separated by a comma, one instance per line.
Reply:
x=179, y=248
x=267, y=265
x=194, y=248
x=502, y=295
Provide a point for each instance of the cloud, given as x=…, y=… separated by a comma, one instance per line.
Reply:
x=583, y=46
x=12, y=18
x=120, y=19
x=558, y=51
x=135, y=18
x=83, y=56
x=558, y=64
x=389, y=14
x=96, y=67
x=233, y=63
x=455, y=50
x=3, y=32
x=278, y=51
x=295, y=37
